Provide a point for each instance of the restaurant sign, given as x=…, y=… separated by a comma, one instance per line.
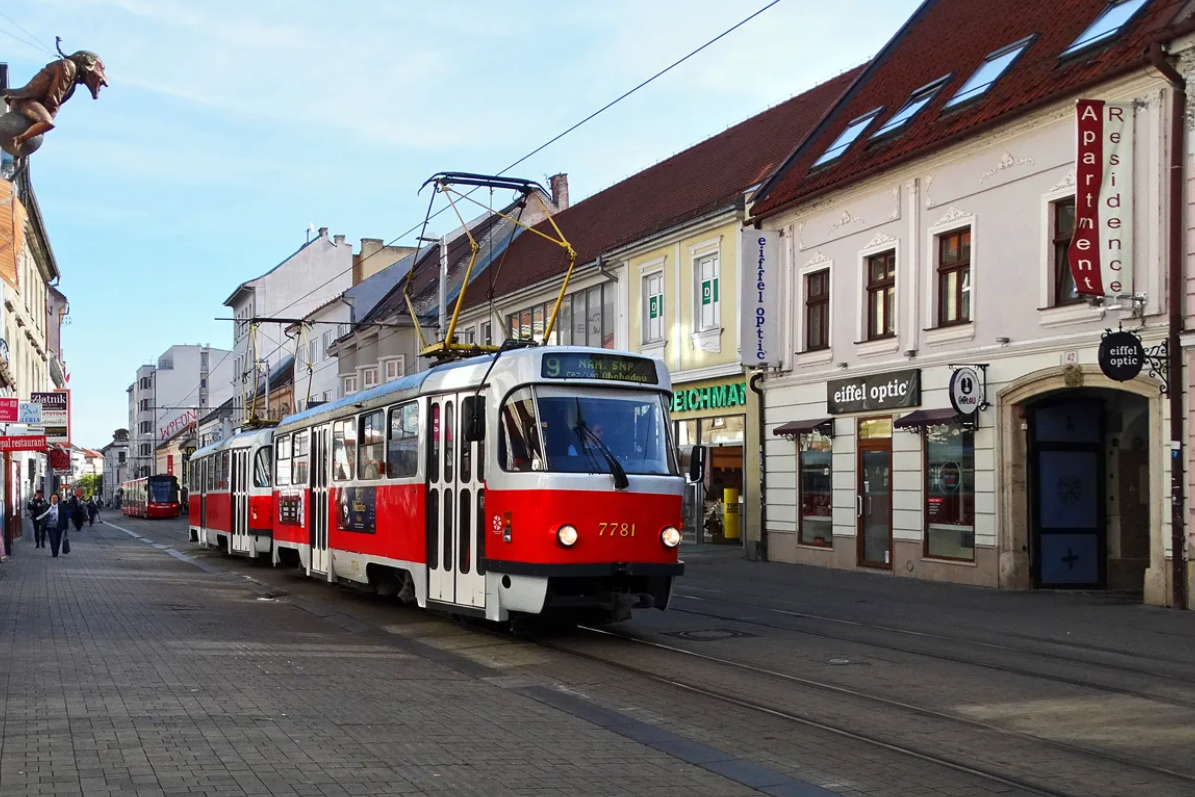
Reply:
x=891, y=391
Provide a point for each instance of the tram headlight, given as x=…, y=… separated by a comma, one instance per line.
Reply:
x=670, y=537
x=566, y=535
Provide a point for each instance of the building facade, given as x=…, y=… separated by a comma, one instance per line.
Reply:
x=913, y=251
x=116, y=463
x=320, y=270
x=172, y=393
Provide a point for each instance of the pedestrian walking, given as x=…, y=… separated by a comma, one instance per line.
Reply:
x=57, y=518
x=77, y=512
x=37, y=505
x=92, y=511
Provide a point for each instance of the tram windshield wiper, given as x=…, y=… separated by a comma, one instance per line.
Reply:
x=587, y=436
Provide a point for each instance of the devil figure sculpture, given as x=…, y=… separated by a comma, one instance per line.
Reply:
x=32, y=108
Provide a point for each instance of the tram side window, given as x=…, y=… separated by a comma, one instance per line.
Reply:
x=209, y=468
x=402, y=458
x=282, y=461
x=344, y=449
x=298, y=459
x=224, y=470
x=261, y=468
x=372, y=449
x=519, y=446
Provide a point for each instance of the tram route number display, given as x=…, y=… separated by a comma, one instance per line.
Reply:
x=613, y=367
x=356, y=509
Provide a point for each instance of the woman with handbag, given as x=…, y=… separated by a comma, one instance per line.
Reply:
x=58, y=520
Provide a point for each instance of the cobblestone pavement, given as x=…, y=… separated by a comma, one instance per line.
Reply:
x=860, y=685
x=129, y=670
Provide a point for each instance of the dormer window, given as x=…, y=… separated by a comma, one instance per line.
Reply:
x=846, y=138
x=918, y=100
x=992, y=68
x=1115, y=17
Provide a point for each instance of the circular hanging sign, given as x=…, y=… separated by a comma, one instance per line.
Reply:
x=1121, y=356
x=965, y=391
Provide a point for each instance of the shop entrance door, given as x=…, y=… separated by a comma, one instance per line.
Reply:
x=873, y=502
x=1069, y=538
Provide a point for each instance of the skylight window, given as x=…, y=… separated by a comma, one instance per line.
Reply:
x=988, y=73
x=1118, y=14
x=848, y=136
x=918, y=100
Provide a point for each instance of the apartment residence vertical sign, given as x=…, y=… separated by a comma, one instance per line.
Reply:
x=55, y=415
x=760, y=329
x=1101, y=251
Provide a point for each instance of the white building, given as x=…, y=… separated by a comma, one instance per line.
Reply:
x=321, y=270
x=926, y=225
x=116, y=463
x=172, y=393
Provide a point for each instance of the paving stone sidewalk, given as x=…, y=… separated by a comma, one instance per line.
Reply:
x=131, y=671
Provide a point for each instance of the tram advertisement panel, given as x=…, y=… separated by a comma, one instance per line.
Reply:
x=357, y=510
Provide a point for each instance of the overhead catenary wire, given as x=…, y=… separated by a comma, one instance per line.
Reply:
x=572, y=128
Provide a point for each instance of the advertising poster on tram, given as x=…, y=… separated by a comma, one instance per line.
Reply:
x=357, y=510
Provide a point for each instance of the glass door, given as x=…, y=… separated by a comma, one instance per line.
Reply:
x=873, y=502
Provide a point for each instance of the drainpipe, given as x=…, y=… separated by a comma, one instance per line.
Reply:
x=1174, y=376
x=763, y=470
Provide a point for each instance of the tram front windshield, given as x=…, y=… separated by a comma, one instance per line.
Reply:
x=580, y=433
x=161, y=491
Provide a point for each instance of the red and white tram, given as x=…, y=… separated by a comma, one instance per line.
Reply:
x=150, y=497
x=230, y=504
x=536, y=481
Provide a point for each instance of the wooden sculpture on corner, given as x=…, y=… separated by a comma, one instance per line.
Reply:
x=32, y=108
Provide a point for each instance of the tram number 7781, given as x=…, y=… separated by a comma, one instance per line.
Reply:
x=616, y=529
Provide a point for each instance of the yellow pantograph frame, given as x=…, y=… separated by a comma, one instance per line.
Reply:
x=448, y=344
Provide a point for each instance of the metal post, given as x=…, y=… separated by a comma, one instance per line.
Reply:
x=444, y=286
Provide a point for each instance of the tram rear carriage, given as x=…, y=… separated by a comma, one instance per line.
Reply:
x=230, y=500
x=542, y=481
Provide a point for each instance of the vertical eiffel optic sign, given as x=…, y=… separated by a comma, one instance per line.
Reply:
x=760, y=330
x=1101, y=252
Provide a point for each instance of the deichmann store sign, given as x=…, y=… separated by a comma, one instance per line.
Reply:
x=760, y=325
x=1101, y=252
x=730, y=395
x=891, y=391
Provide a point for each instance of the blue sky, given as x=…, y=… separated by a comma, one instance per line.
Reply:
x=231, y=126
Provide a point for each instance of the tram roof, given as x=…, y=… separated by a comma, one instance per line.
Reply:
x=245, y=435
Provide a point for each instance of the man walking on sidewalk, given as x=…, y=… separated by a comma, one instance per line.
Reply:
x=37, y=505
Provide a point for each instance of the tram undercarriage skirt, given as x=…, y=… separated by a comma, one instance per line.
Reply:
x=615, y=594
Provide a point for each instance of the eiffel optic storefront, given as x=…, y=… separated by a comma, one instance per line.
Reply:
x=712, y=414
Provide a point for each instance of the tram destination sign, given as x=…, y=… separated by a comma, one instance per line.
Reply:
x=613, y=367
x=890, y=391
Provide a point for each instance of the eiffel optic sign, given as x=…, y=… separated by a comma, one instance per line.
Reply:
x=1101, y=251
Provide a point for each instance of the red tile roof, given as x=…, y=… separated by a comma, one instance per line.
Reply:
x=955, y=37
x=702, y=179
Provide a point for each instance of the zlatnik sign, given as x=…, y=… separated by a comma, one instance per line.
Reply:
x=1101, y=251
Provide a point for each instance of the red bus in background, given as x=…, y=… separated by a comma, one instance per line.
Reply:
x=151, y=497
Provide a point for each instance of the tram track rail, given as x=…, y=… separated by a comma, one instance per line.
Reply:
x=970, y=661
x=804, y=719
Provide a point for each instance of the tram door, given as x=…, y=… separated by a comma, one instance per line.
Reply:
x=454, y=488
x=241, y=541
x=203, y=465
x=320, y=458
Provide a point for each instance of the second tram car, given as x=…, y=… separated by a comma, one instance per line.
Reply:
x=534, y=481
x=151, y=497
x=230, y=506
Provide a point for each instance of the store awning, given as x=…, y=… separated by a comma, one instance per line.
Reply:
x=794, y=428
x=922, y=418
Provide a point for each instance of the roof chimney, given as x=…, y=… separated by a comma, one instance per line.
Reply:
x=323, y=232
x=338, y=239
x=559, y=184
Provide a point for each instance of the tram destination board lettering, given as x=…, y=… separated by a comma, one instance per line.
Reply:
x=612, y=367
x=357, y=509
